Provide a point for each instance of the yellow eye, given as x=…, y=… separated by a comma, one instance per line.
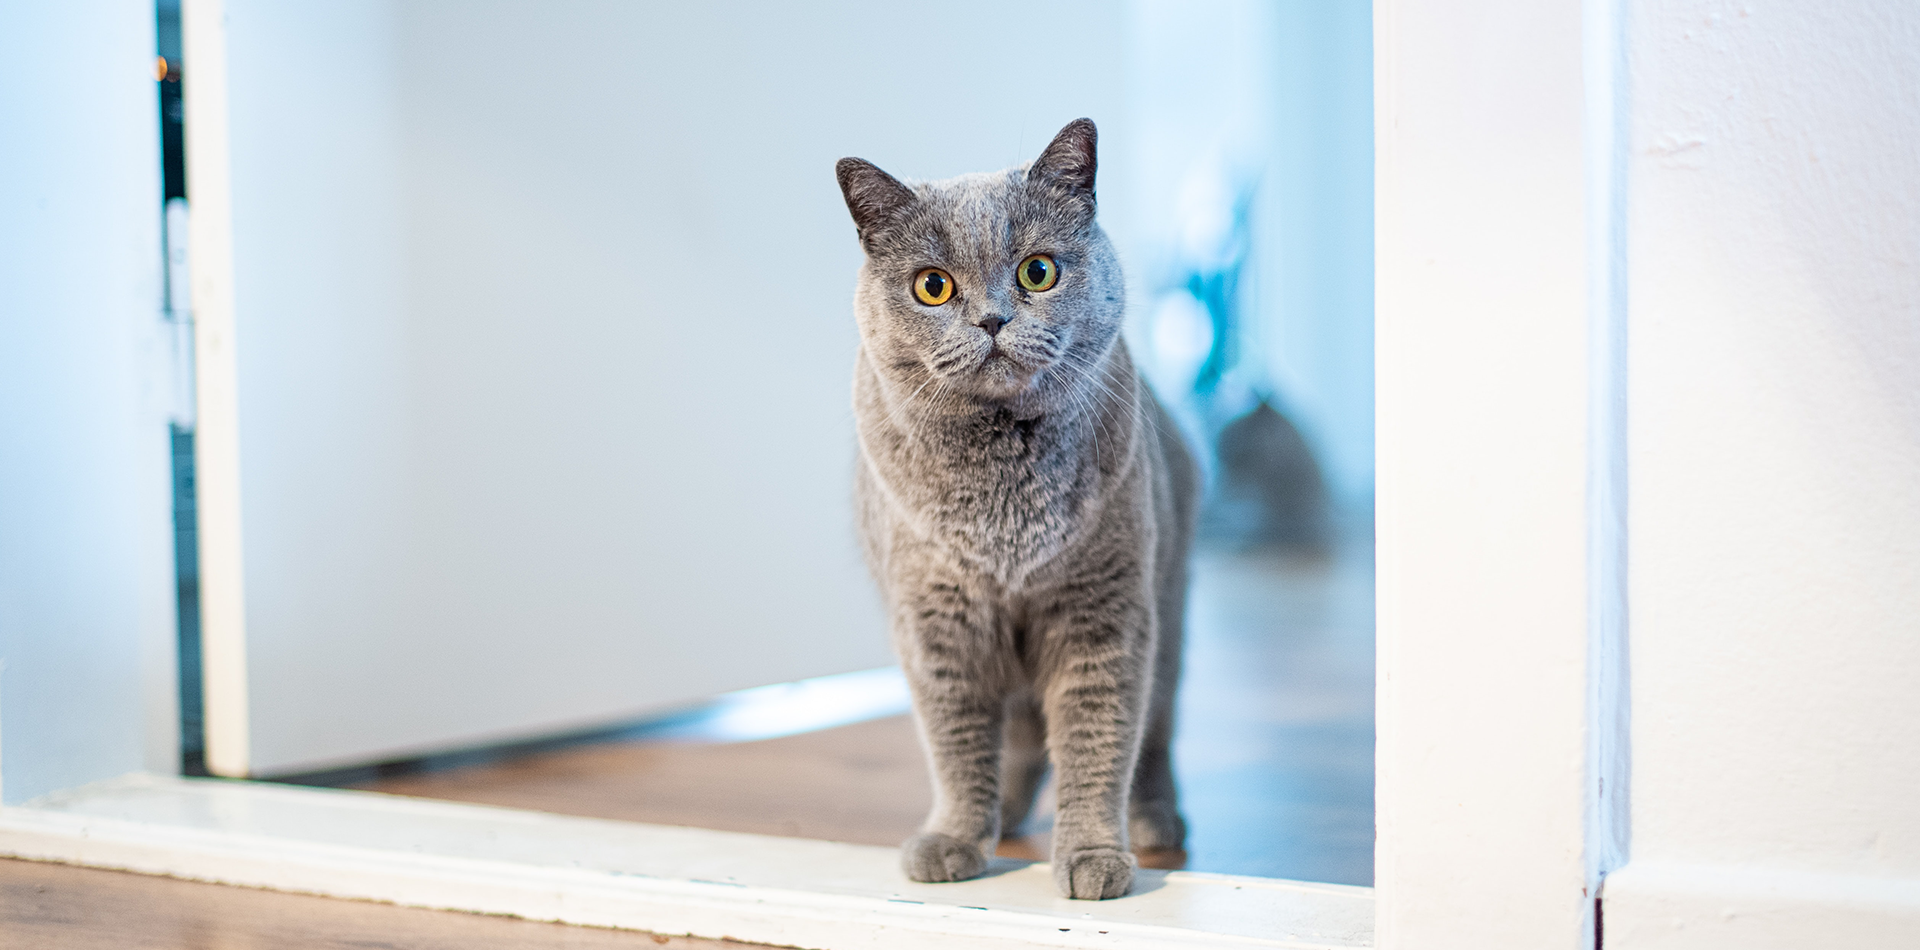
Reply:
x=1038, y=272
x=933, y=286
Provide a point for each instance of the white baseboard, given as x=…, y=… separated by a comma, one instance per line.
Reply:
x=1665, y=905
x=786, y=891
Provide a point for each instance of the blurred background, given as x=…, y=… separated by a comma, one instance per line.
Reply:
x=544, y=346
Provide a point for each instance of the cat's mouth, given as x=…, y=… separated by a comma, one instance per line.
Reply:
x=1002, y=360
x=1003, y=373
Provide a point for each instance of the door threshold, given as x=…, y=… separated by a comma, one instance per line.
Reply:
x=790, y=892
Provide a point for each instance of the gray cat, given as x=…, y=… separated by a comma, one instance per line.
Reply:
x=1026, y=505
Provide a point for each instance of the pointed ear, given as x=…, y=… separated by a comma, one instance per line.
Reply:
x=874, y=198
x=1069, y=159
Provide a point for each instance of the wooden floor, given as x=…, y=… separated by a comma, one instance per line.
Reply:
x=1274, y=750
x=54, y=907
x=865, y=783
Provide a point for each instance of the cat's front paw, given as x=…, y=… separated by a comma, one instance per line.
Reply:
x=1095, y=874
x=933, y=857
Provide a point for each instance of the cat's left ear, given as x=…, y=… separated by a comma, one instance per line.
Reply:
x=874, y=198
x=1069, y=160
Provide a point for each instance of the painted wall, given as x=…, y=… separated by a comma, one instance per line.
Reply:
x=544, y=341
x=86, y=559
x=1774, y=325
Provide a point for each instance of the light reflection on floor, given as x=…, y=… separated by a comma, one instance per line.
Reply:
x=784, y=709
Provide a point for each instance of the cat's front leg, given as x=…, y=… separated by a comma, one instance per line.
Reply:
x=959, y=702
x=1095, y=701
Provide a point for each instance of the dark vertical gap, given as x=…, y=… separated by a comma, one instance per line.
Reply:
x=186, y=559
x=186, y=543
x=1599, y=926
x=173, y=151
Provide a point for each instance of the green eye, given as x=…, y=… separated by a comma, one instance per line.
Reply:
x=933, y=286
x=1038, y=272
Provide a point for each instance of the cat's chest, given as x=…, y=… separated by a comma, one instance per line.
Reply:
x=1004, y=491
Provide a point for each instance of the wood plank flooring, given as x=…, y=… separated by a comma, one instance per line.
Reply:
x=55, y=907
x=865, y=783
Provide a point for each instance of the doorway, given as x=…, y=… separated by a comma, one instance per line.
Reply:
x=489, y=520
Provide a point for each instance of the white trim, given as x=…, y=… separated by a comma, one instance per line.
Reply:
x=1652, y=905
x=785, y=891
x=1484, y=381
x=223, y=640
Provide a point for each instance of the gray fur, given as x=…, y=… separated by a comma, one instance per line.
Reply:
x=1027, y=512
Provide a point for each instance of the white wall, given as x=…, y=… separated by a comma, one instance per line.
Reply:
x=544, y=341
x=1774, y=248
x=86, y=560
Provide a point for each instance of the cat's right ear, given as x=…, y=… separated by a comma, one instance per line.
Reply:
x=874, y=198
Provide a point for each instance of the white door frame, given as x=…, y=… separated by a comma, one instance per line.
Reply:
x=1500, y=471
x=216, y=442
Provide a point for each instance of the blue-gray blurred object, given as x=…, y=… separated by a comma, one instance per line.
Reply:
x=1268, y=490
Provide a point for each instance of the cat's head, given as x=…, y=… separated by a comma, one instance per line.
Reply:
x=997, y=285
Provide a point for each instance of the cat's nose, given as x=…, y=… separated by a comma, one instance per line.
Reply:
x=992, y=325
